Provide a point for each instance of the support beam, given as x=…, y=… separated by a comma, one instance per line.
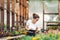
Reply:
x=13, y=12
x=25, y=9
x=17, y=13
x=17, y=22
x=21, y=13
x=27, y=15
x=8, y=15
x=59, y=9
x=2, y=14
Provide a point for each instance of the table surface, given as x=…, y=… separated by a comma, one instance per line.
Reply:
x=12, y=37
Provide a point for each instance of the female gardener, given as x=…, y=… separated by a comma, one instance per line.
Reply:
x=31, y=25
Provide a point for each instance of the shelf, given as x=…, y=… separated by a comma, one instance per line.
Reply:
x=7, y=38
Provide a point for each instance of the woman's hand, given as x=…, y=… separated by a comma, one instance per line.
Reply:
x=36, y=29
x=26, y=27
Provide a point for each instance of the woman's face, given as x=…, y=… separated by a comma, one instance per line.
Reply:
x=35, y=20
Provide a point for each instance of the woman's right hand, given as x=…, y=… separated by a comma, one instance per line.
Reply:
x=26, y=27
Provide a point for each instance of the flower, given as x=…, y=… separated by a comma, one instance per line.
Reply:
x=34, y=38
x=59, y=33
x=58, y=38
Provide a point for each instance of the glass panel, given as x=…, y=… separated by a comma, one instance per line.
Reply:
x=35, y=6
x=50, y=17
x=5, y=12
x=10, y=13
x=51, y=6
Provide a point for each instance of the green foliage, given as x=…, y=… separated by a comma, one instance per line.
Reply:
x=49, y=36
x=5, y=27
x=53, y=27
x=59, y=27
x=15, y=32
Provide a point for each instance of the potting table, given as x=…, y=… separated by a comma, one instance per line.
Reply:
x=11, y=37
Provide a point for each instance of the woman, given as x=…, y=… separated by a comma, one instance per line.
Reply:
x=31, y=25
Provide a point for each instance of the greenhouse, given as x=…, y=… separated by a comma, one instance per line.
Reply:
x=29, y=19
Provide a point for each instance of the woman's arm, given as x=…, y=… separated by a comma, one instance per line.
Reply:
x=27, y=23
x=26, y=27
x=36, y=29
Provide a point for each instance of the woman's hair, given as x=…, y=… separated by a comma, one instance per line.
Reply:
x=35, y=16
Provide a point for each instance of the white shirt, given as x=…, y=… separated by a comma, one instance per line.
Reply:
x=31, y=25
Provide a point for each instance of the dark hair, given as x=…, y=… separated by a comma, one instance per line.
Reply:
x=35, y=16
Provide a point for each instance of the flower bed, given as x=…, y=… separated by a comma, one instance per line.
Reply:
x=49, y=36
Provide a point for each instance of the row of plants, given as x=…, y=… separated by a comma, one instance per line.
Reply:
x=48, y=35
x=53, y=27
x=23, y=31
x=41, y=36
x=11, y=32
